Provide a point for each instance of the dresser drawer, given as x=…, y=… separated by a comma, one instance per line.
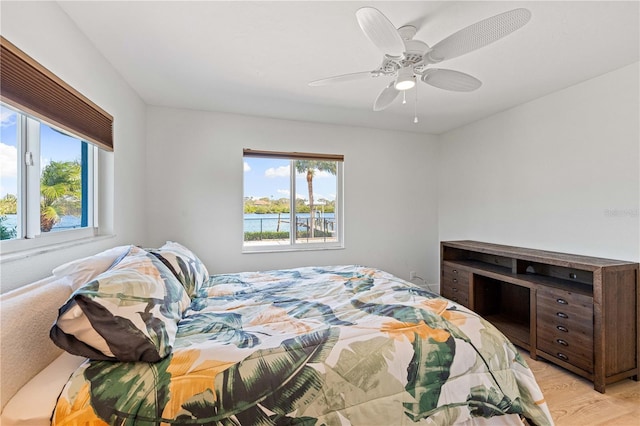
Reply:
x=577, y=304
x=456, y=296
x=455, y=277
x=557, y=319
x=455, y=284
x=564, y=326
x=566, y=346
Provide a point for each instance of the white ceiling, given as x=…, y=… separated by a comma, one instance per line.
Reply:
x=256, y=58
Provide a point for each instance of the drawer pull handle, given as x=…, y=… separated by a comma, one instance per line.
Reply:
x=562, y=328
x=455, y=280
x=455, y=271
x=562, y=301
x=573, y=275
x=562, y=356
x=455, y=299
x=562, y=315
x=454, y=289
x=562, y=342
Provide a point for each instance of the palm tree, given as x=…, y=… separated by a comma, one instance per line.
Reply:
x=9, y=204
x=310, y=167
x=60, y=192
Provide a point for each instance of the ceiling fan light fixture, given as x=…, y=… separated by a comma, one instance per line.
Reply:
x=406, y=79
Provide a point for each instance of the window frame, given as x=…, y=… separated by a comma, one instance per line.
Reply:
x=293, y=245
x=28, y=231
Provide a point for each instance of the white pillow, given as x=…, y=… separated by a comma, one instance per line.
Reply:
x=81, y=271
x=35, y=401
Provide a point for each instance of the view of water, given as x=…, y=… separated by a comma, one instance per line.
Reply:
x=269, y=222
x=252, y=222
x=66, y=222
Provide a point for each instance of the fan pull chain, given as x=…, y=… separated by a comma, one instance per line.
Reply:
x=404, y=97
x=415, y=107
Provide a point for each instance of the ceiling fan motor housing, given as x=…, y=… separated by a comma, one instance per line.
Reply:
x=414, y=53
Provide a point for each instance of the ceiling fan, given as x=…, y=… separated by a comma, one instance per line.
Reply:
x=406, y=59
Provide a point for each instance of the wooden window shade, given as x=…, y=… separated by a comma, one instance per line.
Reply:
x=292, y=155
x=30, y=87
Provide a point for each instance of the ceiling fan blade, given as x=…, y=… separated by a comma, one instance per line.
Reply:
x=479, y=35
x=341, y=78
x=380, y=31
x=385, y=97
x=451, y=80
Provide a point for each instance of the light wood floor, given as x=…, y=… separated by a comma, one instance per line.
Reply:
x=573, y=402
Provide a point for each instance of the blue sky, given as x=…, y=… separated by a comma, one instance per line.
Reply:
x=54, y=147
x=270, y=178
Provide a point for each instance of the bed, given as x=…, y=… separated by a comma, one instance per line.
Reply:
x=331, y=345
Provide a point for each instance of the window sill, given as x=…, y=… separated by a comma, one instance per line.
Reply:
x=12, y=256
x=288, y=248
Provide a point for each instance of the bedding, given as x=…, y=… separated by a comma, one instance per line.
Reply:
x=81, y=271
x=128, y=313
x=316, y=345
x=184, y=264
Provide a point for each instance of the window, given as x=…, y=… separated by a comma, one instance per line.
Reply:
x=46, y=183
x=48, y=155
x=292, y=201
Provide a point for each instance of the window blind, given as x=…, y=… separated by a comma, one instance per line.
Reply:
x=292, y=155
x=27, y=85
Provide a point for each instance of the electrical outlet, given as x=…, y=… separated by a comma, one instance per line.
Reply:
x=412, y=275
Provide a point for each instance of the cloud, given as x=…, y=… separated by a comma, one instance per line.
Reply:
x=8, y=117
x=247, y=167
x=284, y=192
x=8, y=161
x=322, y=175
x=282, y=171
x=318, y=197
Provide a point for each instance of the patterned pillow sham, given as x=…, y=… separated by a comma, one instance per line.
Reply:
x=184, y=264
x=128, y=313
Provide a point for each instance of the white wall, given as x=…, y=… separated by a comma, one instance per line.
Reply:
x=44, y=31
x=559, y=173
x=194, y=190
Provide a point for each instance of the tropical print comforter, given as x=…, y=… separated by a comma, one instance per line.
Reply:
x=344, y=345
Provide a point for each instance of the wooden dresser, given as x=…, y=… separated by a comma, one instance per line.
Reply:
x=579, y=312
